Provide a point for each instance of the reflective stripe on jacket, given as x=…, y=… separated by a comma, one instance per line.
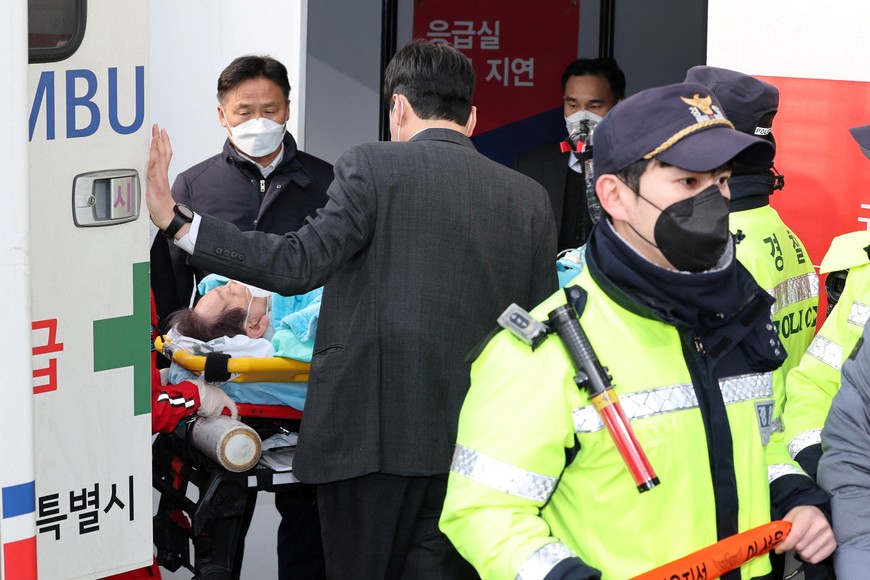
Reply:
x=779, y=262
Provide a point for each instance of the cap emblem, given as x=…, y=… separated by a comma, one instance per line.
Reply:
x=702, y=108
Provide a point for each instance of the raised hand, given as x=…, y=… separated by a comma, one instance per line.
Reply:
x=158, y=195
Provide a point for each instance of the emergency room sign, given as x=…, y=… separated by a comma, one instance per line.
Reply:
x=518, y=50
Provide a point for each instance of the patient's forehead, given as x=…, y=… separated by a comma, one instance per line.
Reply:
x=219, y=299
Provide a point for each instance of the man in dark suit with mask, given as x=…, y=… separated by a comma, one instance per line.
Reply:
x=590, y=88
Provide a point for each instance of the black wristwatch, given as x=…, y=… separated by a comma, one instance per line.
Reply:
x=183, y=215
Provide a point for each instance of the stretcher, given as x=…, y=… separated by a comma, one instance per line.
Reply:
x=215, y=515
x=249, y=370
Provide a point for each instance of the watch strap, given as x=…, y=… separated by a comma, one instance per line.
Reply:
x=178, y=221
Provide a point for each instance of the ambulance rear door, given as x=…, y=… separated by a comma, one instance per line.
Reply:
x=89, y=136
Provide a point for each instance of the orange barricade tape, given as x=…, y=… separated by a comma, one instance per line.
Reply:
x=723, y=556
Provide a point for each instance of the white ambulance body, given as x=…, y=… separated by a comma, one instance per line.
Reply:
x=88, y=499
x=75, y=432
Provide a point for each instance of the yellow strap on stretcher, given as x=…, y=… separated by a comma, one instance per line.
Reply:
x=249, y=369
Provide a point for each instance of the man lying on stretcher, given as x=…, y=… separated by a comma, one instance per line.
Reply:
x=244, y=321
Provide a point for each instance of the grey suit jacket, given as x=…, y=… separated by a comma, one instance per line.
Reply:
x=844, y=462
x=421, y=246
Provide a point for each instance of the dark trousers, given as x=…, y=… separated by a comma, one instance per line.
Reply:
x=383, y=526
x=300, y=551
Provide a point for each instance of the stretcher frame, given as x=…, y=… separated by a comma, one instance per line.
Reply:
x=216, y=521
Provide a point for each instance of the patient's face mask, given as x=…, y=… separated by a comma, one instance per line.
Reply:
x=259, y=301
x=257, y=137
x=255, y=292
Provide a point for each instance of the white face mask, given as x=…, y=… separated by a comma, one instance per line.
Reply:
x=257, y=137
x=256, y=293
x=581, y=123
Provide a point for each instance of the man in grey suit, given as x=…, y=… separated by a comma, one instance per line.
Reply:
x=422, y=244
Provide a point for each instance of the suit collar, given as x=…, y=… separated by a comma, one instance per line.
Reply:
x=441, y=134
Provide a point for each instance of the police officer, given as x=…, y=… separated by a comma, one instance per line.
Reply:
x=817, y=378
x=766, y=246
x=537, y=487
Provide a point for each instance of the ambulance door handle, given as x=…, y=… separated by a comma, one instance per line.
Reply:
x=106, y=198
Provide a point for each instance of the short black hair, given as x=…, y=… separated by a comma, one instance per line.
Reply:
x=248, y=67
x=604, y=67
x=437, y=80
x=631, y=175
x=188, y=322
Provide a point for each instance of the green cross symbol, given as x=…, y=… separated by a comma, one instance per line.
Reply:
x=123, y=341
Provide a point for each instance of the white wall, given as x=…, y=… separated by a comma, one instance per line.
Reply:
x=193, y=41
x=789, y=38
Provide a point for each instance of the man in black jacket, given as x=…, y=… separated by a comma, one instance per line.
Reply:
x=260, y=181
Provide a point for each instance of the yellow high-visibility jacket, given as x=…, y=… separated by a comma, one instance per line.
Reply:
x=779, y=262
x=536, y=480
x=811, y=386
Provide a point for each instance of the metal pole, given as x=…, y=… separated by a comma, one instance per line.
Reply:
x=606, y=28
x=389, y=17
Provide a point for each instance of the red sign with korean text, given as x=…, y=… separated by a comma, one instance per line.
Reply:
x=519, y=50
